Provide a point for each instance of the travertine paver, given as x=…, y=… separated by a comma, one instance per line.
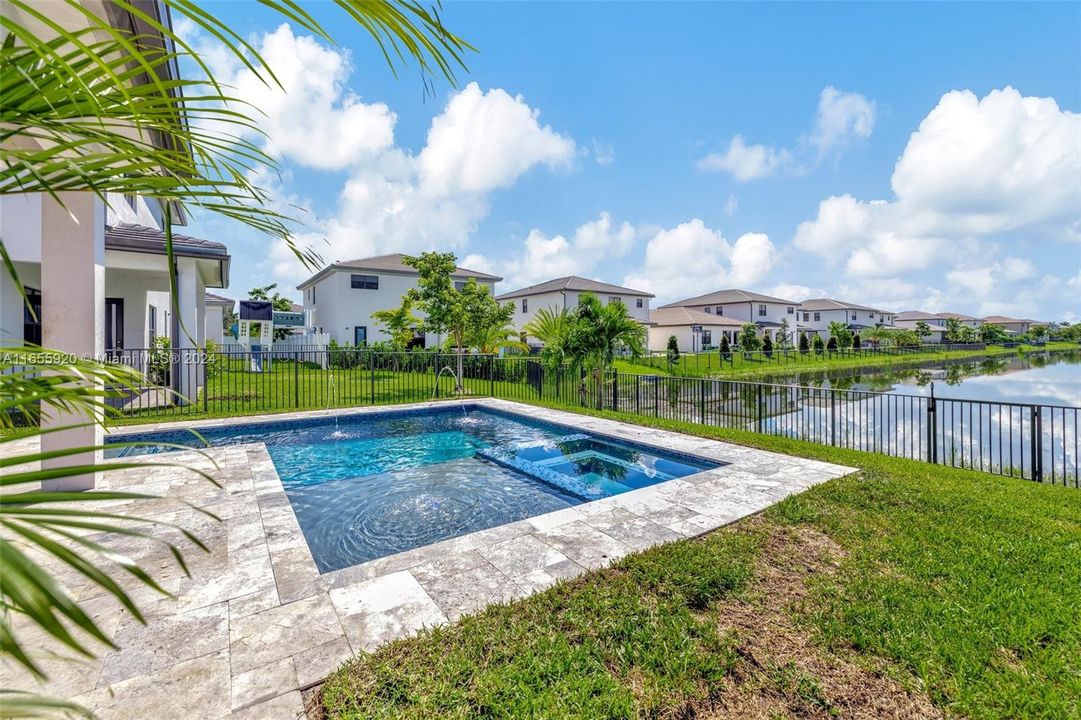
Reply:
x=257, y=622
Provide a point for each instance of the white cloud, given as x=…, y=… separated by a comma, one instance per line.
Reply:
x=543, y=257
x=789, y=291
x=976, y=169
x=603, y=153
x=731, y=205
x=691, y=259
x=746, y=162
x=842, y=118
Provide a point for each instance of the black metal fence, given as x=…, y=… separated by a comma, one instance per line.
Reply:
x=1038, y=442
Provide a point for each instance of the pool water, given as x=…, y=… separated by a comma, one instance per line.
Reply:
x=373, y=485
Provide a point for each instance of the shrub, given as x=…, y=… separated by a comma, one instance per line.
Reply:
x=767, y=345
x=726, y=349
x=748, y=337
x=819, y=346
x=804, y=345
x=158, y=361
x=215, y=363
x=673, y=350
x=832, y=344
x=856, y=342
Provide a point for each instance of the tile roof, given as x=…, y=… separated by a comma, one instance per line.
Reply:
x=816, y=304
x=219, y=300
x=393, y=262
x=722, y=297
x=574, y=283
x=671, y=316
x=140, y=238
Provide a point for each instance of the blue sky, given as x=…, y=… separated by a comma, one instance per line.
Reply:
x=687, y=147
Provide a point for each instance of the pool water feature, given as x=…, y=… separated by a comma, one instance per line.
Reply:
x=368, y=485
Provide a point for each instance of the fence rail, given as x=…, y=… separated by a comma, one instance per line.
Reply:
x=1033, y=441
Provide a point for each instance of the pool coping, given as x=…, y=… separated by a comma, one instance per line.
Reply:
x=304, y=623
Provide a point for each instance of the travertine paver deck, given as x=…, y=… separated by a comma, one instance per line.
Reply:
x=257, y=622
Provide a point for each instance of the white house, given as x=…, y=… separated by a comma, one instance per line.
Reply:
x=965, y=320
x=339, y=299
x=816, y=314
x=563, y=293
x=746, y=307
x=694, y=330
x=909, y=319
x=217, y=308
x=1013, y=326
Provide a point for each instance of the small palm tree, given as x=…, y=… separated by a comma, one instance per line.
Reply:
x=551, y=328
x=596, y=332
x=495, y=338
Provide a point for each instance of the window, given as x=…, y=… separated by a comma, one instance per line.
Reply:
x=130, y=200
x=708, y=310
x=360, y=335
x=761, y=311
x=614, y=299
x=806, y=317
x=818, y=316
x=152, y=324
x=720, y=309
x=855, y=315
x=871, y=315
x=638, y=302
x=525, y=305
x=459, y=284
x=791, y=310
x=32, y=320
x=707, y=338
x=364, y=282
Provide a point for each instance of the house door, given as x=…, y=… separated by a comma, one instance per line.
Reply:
x=360, y=335
x=32, y=317
x=114, y=326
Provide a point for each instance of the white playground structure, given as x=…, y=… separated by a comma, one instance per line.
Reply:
x=259, y=313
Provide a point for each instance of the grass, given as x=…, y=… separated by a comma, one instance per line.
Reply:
x=740, y=367
x=961, y=587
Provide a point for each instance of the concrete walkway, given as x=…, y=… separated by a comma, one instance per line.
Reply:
x=256, y=623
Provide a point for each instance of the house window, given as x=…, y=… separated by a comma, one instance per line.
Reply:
x=806, y=317
x=791, y=310
x=459, y=284
x=818, y=317
x=638, y=302
x=129, y=198
x=708, y=310
x=761, y=311
x=525, y=305
x=364, y=282
x=360, y=335
x=32, y=320
x=871, y=315
x=720, y=310
x=614, y=299
x=707, y=337
x=855, y=315
x=152, y=324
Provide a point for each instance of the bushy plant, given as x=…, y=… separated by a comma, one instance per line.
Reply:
x=748, y=337
x=832, y=344
x=767, y=345
x=673, y=350
x=726, y=349
x=159, y=360
x=214, y=363
x=856, y=342
x=804, y=344
x=819, y=346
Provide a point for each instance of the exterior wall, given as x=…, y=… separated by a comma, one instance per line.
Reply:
x=937, y=325
x=658, y=336
x=214, y=330
x=134, y=209
x=338, y=309
x=569, y=299
x=748, y=312
x=847, y=316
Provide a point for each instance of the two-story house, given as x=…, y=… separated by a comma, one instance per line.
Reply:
x=816, y=314
x=1013, y=326
x=340, y=299
x=766, y=312
x=910, y=319
x=563, y=293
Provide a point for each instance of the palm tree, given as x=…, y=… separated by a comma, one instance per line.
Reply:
x=551, y=327
x=100, y=109
x=596, y=332
x=495, y=338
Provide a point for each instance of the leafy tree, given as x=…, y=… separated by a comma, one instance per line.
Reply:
x=400, y=322
x=782, y=334
x=922, y=330
x=767, y=345
x=748, y=337
x=902, y=337
x=673, y=350
x=596, y=331
x=993, y=333
x=804, y=345
x=856, y=342
x=726, y=349
x=466, y=316
x=1038, y=332
x=840, y=332
x=269, y=293
x=832, y=344
x=819, y=346
x=954, y=330
x=968, y=334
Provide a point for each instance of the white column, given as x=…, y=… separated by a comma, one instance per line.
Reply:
x=186, y=338
x=73, y=316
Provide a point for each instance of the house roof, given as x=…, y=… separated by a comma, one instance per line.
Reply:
x=815, y=304
x=916, y=315
x=955, y=316
x=212, y=299
x=722, y=297
x=1002, y=319
x=393, y=263
x=140, y=238
x=669, y=316
x=575, y=283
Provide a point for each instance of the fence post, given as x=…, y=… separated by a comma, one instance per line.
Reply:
x=932, y=433
x=296, y=379
x=758, y=408
x=206, y=383
x=833, y=417
x=1036, y=433
x=701, y=401
x=371, y=373
x=615, y=390
x=491, y=377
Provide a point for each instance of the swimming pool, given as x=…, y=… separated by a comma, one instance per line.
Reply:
x=369, y=485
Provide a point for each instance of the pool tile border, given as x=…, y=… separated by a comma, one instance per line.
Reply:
x=289, y=625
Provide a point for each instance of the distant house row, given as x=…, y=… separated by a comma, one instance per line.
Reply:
x=340, y=301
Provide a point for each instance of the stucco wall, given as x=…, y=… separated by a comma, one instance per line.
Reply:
x=658, y=336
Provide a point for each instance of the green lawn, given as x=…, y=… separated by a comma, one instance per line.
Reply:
x=757, y=366
x=959, y=588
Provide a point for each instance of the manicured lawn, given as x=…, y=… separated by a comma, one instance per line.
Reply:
x=879, y=593
x=757, y=366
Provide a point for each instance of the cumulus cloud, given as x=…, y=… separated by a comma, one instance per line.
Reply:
x=746, y=162
x=842, y=117
x=692, y=259
x=975, y=169
x=543, y=257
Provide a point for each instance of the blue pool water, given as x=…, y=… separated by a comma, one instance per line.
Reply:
x=373, y=485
